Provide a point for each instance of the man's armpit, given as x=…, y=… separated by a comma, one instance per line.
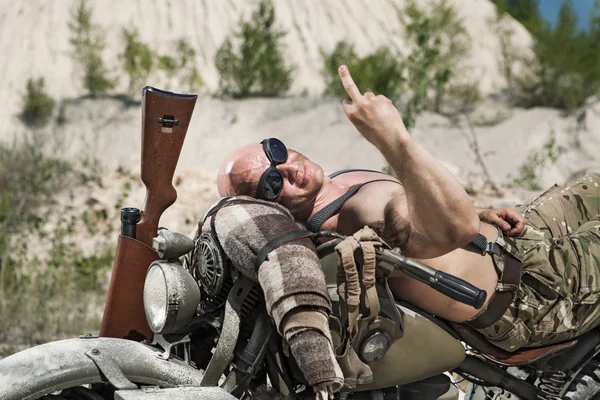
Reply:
x=395, y=229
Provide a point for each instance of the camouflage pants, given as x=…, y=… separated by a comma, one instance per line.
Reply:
x=559, y=296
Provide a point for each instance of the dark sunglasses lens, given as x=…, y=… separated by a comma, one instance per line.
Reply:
x=272, y=185
x=278, y=151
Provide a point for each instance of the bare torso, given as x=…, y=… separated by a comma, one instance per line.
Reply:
x=383, y=206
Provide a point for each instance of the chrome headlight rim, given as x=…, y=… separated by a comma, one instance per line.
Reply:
x=171, y=297
x=379, y=350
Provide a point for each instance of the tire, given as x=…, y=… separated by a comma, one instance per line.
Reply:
x=76, y=393
x=586, y=386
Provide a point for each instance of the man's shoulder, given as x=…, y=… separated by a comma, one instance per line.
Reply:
x=374, y=200
x=229, y=205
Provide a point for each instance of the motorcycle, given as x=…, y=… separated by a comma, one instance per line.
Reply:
x=175, y=331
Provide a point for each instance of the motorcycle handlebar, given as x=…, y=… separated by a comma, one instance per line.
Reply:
x=389, y=261
x=447, y=284
x=459, y=289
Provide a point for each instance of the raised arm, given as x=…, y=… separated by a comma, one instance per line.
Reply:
x=441, y=215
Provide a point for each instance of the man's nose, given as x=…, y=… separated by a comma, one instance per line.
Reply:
x=289, y=169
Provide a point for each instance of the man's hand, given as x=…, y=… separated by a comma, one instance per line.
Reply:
x=508, y=219
x=375, y=117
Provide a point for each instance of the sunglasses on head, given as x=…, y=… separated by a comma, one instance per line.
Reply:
x=270, y=184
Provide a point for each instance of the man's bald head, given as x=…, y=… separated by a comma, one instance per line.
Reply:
x=238, y=175
x=241, y=171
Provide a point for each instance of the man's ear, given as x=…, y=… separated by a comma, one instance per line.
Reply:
x=224, y=180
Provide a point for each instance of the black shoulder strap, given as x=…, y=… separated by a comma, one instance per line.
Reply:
x=343, y=171
x=278, y=241
x=315, y=223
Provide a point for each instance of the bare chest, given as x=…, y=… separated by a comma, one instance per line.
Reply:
x=380, y=205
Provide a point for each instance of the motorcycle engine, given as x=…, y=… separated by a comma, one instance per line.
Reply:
x=211, y=268
x=216, y=276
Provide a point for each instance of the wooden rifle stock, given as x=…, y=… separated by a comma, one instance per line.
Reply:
x=165, y=120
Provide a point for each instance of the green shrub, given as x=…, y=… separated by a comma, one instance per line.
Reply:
x=256, y=67
x=423, y=72
x=168, y=64
x=29, y=179
x=441, y=45
x=48, y=287
x=464, y=96
x=510, y=53
x=88, y=43
x=343, y=53
x=380, y=72
x=536, y=162
x=37, y=104
x=140, y=61
x=185, y=53
x=192, y=76
x=41, y=302
x=137, y=58
x=193, y=79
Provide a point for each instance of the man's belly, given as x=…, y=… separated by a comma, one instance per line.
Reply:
x=470, y=265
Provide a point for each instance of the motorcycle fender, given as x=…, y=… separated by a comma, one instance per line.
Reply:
x=185, y=393
x=58, y=365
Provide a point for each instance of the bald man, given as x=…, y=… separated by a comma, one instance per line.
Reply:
x=430, y=217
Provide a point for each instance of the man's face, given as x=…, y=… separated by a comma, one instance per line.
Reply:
x=302, y=178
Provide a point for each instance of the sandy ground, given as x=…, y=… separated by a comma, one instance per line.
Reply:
x=319, y=129
x=111, y=132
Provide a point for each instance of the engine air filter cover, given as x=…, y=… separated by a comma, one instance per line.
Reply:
x=210, y=267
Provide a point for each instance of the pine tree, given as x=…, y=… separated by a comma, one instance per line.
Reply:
x=524, y=11
x=565, y=73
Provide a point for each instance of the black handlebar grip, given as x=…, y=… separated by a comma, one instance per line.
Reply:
x=458, y=289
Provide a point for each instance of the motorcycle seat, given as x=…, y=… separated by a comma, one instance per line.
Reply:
x=529, y=356
x=497, y=355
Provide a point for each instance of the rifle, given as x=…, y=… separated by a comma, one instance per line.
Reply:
x=165, y=120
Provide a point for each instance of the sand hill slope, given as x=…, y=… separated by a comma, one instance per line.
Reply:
x=34, y=37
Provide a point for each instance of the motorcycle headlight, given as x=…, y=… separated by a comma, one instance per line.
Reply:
x=171, y=297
